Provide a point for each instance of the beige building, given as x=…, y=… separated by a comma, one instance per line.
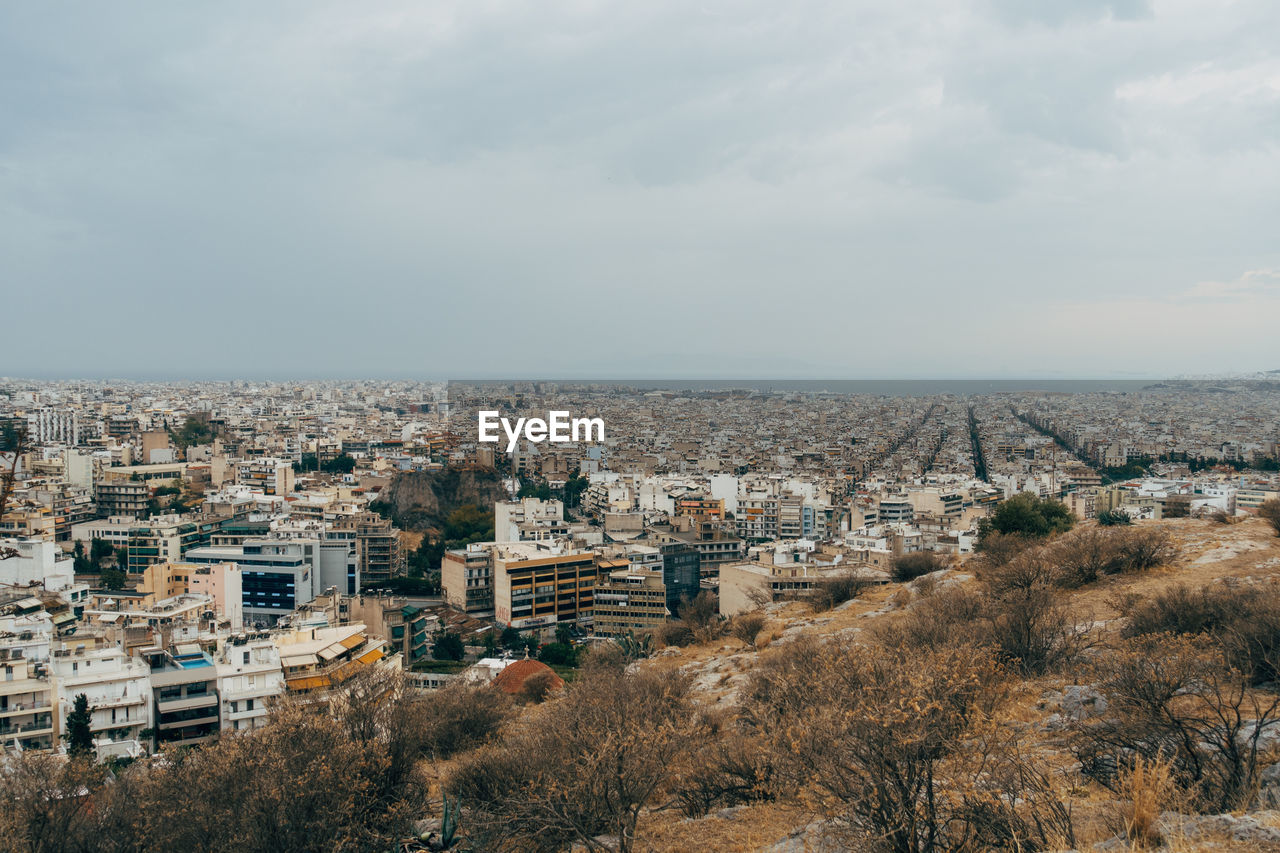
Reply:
x=536, y=584
x=467, y=578
x=628, y=599
x=748, y=586
x=319, y=658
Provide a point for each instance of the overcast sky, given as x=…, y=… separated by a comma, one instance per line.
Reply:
x=643, y=189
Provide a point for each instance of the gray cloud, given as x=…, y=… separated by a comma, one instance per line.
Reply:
x=578, y=189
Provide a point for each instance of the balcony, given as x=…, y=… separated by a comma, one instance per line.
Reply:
x=246, y=714
x=117, y=702
x=203, y=719
x=264, y=692
x=25, y=728
x=186, y=703
x=24, y=707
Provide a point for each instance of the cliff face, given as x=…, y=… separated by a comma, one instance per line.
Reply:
x=421, y=500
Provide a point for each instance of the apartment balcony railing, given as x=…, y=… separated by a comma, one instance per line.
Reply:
x=20, y=707
x=37, y=726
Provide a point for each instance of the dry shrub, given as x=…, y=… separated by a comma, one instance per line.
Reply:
x=780, y=674
x=728, y=770
x=1082, y=556
x=906, y=747
x=299, y=779
x=1035, y=632
x=1078, y=558
x=832, y=591
x=1269, y=511
x=908, y=567
x=1176, y=699
x=954, y=615
x=49, y=804
x=701, y=616
x=1028, y=569
x=1143, y=548
x=747, y=626
x=462, y=717
x=538, y=687
x=1000, y=548
x=1243, y=620
x=1029, y=628
x=674, y=633
x=584, y=766
x=307, y=780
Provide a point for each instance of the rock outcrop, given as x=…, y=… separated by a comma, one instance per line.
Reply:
x=421, y=500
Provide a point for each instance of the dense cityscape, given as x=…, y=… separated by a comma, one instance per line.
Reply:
x=182, y=554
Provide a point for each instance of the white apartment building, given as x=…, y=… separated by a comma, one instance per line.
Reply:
x=118, y=687
x=528, y=519
x=51, y=426
x=249, y=678
x=37, y=561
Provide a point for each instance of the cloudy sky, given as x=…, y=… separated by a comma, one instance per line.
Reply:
x=998, y=188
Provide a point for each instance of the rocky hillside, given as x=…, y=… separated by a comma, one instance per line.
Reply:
x=1052, y=711
x=421, y=500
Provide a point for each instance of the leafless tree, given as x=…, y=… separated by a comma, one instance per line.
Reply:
x=582, y=769
x=1176, y=699
x=908, y=748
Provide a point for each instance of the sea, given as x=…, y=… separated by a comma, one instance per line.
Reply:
x=877, y=387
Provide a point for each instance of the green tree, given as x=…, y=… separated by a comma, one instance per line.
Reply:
x=466, y=524
x=573, y=489
x=562, y=654
x=1027, y=515
x=79, y=733
x=99, y=549
x=112, y=578
x=193, y=431
x=511, y=639
x=342, y=464
x=448, y=646
x=1114, y=518
x=80, y=563
x=534, y=489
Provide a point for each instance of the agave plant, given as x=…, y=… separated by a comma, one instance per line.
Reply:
x=433, y=841
x=634, y=648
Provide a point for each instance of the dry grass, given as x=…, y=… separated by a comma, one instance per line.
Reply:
x=1146, y=790
x=754, y=827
